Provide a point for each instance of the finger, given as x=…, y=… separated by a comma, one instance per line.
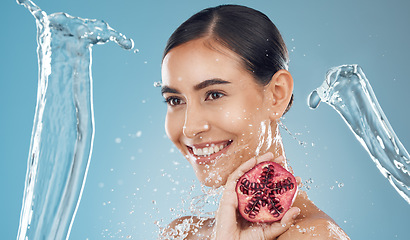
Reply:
x=226, y=214
x=265, y=157
x=241, y=170
x=280, y=160
x=246, y=166
x=299, y=181
x=276, y=229
x=290, y=216
x=229, y=197
x=229, y=194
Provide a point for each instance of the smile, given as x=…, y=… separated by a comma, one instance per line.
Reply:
x=206, y=150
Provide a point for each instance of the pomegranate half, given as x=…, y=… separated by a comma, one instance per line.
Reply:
x=266, y=192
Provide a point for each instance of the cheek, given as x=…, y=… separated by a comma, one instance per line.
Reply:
x=239, y=120
x=245, y=123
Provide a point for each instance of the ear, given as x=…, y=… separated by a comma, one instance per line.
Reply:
x=280, y=91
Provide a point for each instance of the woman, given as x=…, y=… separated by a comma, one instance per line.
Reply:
x=225, y=80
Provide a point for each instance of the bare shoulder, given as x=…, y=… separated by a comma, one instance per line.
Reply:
x=188, y=227
x=313, y=223
x=319, y=228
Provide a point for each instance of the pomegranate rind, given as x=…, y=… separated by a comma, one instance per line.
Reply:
x=266, y=192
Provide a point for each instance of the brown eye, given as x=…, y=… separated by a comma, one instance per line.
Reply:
x=214, y=95
x=173, y=101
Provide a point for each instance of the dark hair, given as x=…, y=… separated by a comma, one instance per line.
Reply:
x=245, y=31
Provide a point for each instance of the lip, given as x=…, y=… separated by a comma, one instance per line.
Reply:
x=208, y=159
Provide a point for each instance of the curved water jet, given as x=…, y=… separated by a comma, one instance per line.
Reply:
x=347, y=90
x=63, y=128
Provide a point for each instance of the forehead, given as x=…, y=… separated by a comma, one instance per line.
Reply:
x=198, y=60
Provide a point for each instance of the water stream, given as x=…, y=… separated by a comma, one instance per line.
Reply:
x=347, y=90
x=63, y=128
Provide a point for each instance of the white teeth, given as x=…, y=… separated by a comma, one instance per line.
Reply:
x=198, y=152
x=211, y=150
x=208, y=150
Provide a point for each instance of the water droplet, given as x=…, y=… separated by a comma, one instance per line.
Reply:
x=157, y=84
x=118, y=140
x=313, y=100
x=136, y=50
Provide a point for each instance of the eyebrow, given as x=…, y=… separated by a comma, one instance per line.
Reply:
x=199, y=86
x=210, y=82
x=166, y=89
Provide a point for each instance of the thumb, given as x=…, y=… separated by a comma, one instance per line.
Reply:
x=276, y=229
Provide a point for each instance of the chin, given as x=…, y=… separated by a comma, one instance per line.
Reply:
x=211, y=180
x=212, y=184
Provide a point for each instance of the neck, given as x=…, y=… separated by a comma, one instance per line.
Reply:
x=276, y=145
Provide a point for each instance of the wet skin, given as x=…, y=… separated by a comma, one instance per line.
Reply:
x=214, y=101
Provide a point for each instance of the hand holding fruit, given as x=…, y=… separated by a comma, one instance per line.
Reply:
x=265, y=195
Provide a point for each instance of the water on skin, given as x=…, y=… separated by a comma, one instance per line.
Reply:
x=347, y=90
x=203, y=207
x=63, y=129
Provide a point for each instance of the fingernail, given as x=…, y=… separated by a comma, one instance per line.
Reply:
x=280, y=158
x=268, y=154
x=296, y=214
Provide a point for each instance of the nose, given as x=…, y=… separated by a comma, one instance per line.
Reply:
x=195, y=122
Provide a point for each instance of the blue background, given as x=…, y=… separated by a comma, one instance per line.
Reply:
x=142, y=181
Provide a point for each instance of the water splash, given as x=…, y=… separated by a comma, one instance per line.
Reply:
x=348, y=91
x=63, y=129
x=201, y=212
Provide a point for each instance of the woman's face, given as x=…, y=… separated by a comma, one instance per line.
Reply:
x=217, y=116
